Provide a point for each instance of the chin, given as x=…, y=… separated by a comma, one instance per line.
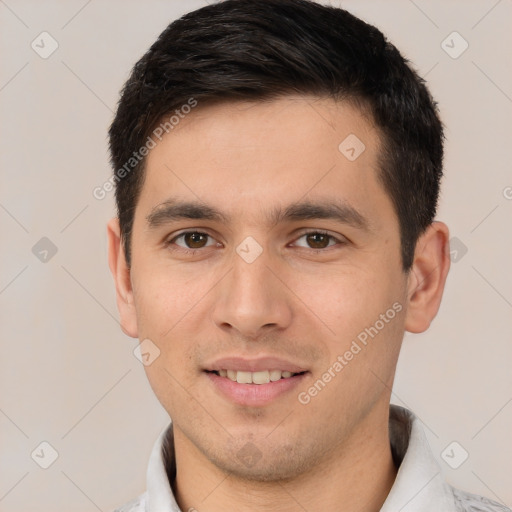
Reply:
x=271, y=464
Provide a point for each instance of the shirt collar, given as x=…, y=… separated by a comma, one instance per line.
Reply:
x=419, y=485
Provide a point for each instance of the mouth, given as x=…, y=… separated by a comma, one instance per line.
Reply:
x=254, y=389
x=259, y=378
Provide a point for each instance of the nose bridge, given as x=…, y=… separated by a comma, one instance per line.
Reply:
x=250, y=297
x=250, y=281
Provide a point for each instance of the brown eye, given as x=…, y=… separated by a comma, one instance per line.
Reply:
x=317, y=240
x=195, y=240
x=191, y=240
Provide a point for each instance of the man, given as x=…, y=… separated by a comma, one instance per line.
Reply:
x=277, y=167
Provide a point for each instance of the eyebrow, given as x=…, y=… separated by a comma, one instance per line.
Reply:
x=175, y=209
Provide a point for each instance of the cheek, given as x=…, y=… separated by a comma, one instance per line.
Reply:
x=367, y=317
x=172, y=312
x=355, y=307
x=168, y=315
x=345, y=298
x=163, y=297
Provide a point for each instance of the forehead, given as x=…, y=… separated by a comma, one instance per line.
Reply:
x=245, y=156
x=276, y=125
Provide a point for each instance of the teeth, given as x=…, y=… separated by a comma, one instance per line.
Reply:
x=263, y=377
x=275, y=375
x=244, y=377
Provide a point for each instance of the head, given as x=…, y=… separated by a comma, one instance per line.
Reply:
x=281, y=202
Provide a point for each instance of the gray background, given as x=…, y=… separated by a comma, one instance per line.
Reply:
x=68, y=375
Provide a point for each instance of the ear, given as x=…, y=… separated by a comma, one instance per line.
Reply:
x=427, y=277
x=121, y=274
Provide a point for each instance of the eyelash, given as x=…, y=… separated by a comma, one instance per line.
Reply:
x=187, y=251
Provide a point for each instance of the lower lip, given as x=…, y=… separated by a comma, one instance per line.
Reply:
x=254, y=394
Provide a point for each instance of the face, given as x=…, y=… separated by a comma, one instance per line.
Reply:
x=259, y=243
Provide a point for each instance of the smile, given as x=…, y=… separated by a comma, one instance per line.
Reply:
x=261, y=377
x=254, y=389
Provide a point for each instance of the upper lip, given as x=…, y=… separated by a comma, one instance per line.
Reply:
x=254, y=365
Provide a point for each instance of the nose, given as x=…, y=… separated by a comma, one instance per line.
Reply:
x=251, y=300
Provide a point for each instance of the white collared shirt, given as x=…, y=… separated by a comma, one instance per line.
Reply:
x=419, y=485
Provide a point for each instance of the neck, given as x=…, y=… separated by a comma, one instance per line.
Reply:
x=357, y=476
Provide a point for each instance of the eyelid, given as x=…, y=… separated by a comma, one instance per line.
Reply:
x=340, y=239
x=171, y=240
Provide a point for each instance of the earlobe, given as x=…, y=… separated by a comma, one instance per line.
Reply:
x=427, y=277
x=122, y=279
